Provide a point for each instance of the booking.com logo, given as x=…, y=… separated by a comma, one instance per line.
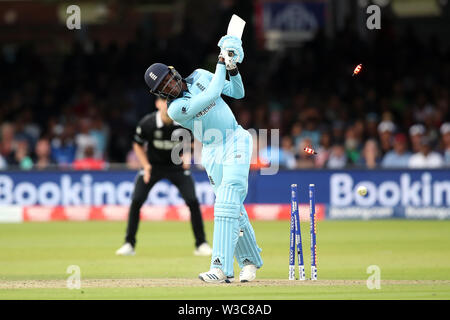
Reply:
x=405, y=191
x=68, y=191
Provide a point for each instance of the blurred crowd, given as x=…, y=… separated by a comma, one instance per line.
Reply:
x=79, y=109
x=384, y=148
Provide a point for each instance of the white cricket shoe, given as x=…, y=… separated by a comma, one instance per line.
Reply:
x=248, y=273
x=215, y=275
x=203, y=250
x=126, y=250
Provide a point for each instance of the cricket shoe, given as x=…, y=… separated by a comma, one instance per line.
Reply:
x=203, y=250
x=126, y=250
x=215, y=275
x=248, y=273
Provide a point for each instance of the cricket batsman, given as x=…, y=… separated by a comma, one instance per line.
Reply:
x=196, y=103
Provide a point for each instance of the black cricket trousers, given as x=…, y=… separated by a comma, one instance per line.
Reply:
x=183, y=181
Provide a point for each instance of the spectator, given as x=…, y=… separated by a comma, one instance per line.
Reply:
x=99, y=132
x=84, y=138
x=358, y=129
x=89, y=162
x=416, y=132
x=21, y=156
x=426, y=158
x=338, y=131
x=287, y=157
x=20, y=133
x=30, y=128
x=399, y=156
x=337, y=158
x=333, y=107
x=370, y=156
x=3, y=163
x=431, y=122
x=323, y=151
x=63, y=146
x=42, y=151
x=386, y=131
x=371, y=125
x=352, y=145
x=26, y=129
x=296, y=133
x=445, y=132
x=310, y=129
x=7, y=142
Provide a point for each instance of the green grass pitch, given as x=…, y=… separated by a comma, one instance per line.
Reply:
x=413, y=256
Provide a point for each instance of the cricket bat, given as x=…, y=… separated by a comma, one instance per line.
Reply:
x=236, y=26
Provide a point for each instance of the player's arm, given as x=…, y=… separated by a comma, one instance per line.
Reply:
x=232, y=52
x=139, y=150
x=142, y=157
x=184, y=109
x=234, y=87
x=187, y=151
x=186, y=158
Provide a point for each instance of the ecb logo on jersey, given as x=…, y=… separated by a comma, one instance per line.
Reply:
x=153, y=76
x=200, y=86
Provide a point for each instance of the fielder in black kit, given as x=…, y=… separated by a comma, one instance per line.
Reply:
x=156, y=130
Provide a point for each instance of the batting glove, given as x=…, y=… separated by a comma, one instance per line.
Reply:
x=233, y=44
x=230, y=64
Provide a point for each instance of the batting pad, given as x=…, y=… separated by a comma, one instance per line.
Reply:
x=228, y=202
x=226, y=234
x=247, y=250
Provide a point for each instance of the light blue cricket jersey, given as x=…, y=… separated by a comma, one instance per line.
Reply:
x=201, y=107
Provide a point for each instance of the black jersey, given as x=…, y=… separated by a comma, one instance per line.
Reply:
x=157, y=135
